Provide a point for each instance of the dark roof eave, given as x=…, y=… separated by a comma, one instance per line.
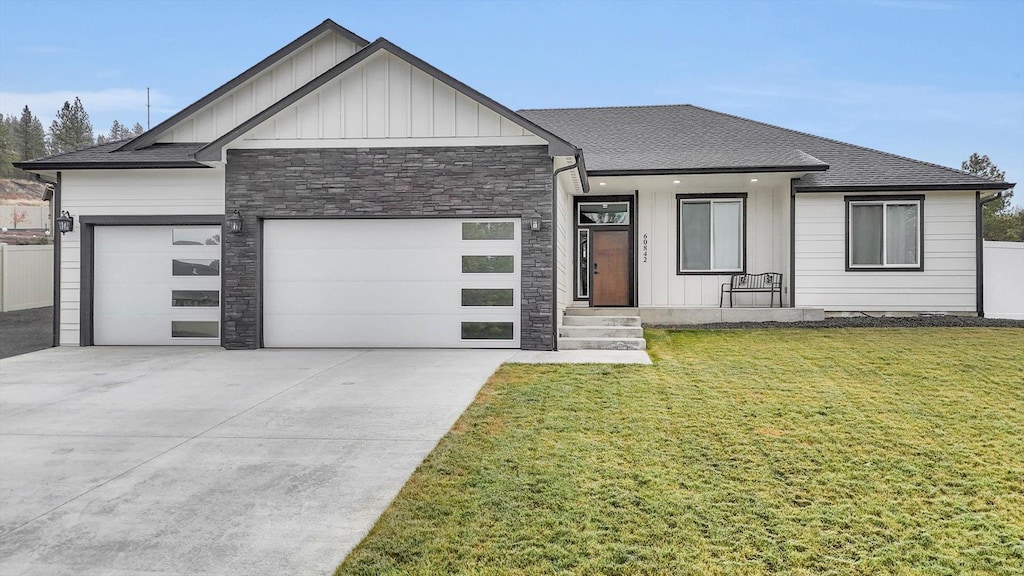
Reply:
x=40, y=166
x=906, y=187
x=717, y=170
x=150, y=136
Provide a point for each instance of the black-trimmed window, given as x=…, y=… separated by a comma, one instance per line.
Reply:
x=712, y=233
x=884, y=233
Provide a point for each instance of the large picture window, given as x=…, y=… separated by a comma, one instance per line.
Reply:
x=711, y=233
x=884, y=233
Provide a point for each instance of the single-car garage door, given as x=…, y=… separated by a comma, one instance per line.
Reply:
x=156, y=285
x=392, y=283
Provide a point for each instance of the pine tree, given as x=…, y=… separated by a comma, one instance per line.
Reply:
x=7, y=147
x=1000, y=220
x=71, y=129
x=137, y=130
x=29, y=137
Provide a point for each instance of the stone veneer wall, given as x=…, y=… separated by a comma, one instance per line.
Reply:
x=392, y=182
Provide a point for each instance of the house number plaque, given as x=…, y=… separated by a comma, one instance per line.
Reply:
x=645, y=248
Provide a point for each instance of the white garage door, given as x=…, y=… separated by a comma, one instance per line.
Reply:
x=391, y=283
x=156, y=285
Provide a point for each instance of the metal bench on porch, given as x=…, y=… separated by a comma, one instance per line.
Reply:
x=769, y=282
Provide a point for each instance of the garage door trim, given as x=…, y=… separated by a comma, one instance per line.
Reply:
x=87, y=225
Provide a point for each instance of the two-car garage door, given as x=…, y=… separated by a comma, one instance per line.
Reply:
x=391, y=282
x=326, y=283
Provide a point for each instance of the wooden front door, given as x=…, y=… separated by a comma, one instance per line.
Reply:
x=609, y=268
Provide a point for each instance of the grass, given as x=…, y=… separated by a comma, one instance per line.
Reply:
x=847, y=451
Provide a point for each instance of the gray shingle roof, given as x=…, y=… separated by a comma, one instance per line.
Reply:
x=686, y=138
x=103, y=156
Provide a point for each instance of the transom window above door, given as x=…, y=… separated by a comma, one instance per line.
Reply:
x=711, y=233
x=602, y=213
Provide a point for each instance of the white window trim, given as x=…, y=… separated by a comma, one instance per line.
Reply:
x=884, y=203
x=743, y=234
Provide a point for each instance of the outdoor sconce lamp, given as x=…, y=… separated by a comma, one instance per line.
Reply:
x=234, y=222
x=65, y=222
x=534, y=224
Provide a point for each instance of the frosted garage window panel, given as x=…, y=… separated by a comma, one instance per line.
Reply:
x=711, y=235
x=488, y=264
x=488, y=231
x=195, y=329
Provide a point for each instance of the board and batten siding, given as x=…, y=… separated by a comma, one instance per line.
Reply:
x=947, y=283
x=124, y=193
x=767, y=247
x=563, y=229
x=385, y=97
x=244, y=102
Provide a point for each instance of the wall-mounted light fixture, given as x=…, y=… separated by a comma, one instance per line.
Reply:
x=234, y=222
x=65, y=222
x=534, y=224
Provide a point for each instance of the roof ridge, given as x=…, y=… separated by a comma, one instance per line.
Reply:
x=834, y=141
x=608, y=107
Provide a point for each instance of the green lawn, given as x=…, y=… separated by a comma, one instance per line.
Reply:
x=839, y=451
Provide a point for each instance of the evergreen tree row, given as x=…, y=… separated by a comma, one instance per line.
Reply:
x=23, y=138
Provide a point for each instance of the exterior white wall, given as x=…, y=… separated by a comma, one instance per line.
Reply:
x=123, y=193
x=382, y=99
x=281, y=79
x=26, y=276
x=1004, y=280
x=947, y=283
x=767, y=242
x=565, y=244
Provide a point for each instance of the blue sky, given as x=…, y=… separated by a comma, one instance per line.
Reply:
x=934, y=79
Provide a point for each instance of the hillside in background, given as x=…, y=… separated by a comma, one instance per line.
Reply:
x=21, y=192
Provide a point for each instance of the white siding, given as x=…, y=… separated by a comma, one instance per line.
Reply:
x=117, y=193
x=379, y=102
x=767, y=246
x=281, y=79
x=947, y=283
x=566, y=245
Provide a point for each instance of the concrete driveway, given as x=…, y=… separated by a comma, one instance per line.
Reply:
x=203, y=461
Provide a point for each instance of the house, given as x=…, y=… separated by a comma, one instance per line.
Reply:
x=346, y=193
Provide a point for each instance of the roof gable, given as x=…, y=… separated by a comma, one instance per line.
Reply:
x=261, y=85
x=399, y=94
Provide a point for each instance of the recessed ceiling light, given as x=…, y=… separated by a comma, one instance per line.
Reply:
x=753, y=179
x=675, y=181
x=600, y=183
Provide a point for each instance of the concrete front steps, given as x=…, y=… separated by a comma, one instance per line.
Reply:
x=601, y=329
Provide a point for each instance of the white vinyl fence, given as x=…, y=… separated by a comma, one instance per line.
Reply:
x=26, y=276
x=1004, y=280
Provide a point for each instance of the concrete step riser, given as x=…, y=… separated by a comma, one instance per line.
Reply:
x=601, y=321
x=602, y=344
x=601, y=332
x=601, y=312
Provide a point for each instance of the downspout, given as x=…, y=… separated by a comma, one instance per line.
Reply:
x=56, y=262
x=979, y=247
x=554, y=245
x=792, y=242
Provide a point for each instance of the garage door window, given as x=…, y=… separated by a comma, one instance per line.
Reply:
x=488, y=264
x=195, y=329
x=487, y=330
x=195, y=298
x=488, y=231
x=195, y=267
x=487, y=296
x=196, y=236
